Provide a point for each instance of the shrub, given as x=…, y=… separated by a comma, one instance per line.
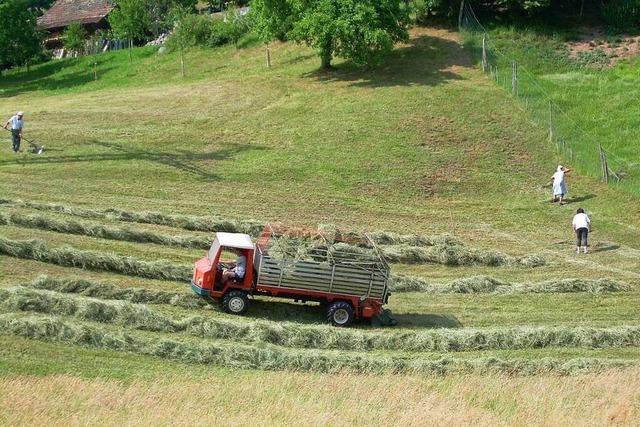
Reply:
x=204, y=30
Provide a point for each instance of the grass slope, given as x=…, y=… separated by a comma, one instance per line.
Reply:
x=424, y=145
x=594, y=105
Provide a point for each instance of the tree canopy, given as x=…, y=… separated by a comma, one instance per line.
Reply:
x=130, y=20
x=361, y=30
x=19, y=37
x=74, y=37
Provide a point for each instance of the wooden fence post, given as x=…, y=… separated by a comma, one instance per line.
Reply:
x=514, y=78
x=268, y=55
x=603, y=164
x=550, y=122
x=484, y=52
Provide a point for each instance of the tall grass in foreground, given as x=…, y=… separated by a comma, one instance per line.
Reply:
x=43, y=222
x=92, y=260
x=487, y=284
x=319, y=337
x=453, y=400
x=279, y=359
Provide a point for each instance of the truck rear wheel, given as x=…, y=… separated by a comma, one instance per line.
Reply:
x=235, y=302
x=340, y=313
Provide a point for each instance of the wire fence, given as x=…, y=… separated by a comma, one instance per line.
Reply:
x=576, y=144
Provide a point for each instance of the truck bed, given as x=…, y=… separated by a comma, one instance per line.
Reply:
x=340, y=278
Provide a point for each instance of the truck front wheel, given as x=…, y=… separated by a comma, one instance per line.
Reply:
x=340, y=313
x=235, y=302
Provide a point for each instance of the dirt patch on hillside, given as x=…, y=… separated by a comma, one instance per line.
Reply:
x=596, y=49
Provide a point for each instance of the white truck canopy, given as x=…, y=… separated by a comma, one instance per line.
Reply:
x=234, y=240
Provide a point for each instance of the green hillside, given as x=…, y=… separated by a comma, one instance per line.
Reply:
x=425, y=145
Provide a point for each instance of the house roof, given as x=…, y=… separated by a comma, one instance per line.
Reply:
x=64, y=12
x=234, y=240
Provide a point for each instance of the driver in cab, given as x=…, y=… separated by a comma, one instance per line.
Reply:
x=235, y=270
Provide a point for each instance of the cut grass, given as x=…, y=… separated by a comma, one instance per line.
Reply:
x=487, y=284
x=299, y=336
x=273, y=358
x=456, y=255
x=93, y=260
x=89, y=288
x=43, y=222
x=187, y=222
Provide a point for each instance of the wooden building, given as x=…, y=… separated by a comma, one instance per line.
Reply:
x=92, y=14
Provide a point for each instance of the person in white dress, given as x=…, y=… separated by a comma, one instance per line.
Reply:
x=559, y=184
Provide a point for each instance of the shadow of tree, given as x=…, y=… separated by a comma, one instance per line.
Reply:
x=183, y=160
x=426, y=60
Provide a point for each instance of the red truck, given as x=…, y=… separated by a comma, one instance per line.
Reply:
x=351, y=285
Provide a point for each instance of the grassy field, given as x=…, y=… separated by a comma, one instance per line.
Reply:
x=426, y=145
x=593, y=95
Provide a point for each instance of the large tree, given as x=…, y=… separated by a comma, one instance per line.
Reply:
x=19, y=37
x=130, y=20
x=361, y=30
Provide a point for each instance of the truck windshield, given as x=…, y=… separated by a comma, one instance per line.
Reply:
x=213, y=251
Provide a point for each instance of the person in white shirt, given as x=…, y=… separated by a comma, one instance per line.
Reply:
x=238, y=270
x=559, y=184
x=17, y=123
x=581, y=226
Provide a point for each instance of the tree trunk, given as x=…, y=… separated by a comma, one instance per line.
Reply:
x=326, y=52
x=130, y=49
x=325, y=59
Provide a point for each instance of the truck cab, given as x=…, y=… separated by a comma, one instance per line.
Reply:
x=207, y=277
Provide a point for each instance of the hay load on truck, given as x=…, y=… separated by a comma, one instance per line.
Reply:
x=349, y=284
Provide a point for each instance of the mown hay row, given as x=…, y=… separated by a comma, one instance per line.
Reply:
x=491, y=285
x=42, y=222
x=89, y=288
x=456, y=255
x=388, y=238
x=274, y=358
x=187, y=222
x=93, y=260
x=319, y=337
x=333, y=234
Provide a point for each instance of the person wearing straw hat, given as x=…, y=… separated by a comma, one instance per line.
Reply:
x=17, y=124
x=559, y=184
